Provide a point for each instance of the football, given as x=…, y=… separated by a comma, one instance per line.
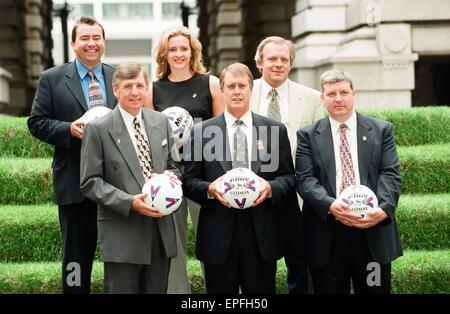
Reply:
x=163, y=193
x=241, y=187
x=181, y=123
x=360, y=198
x=95, y=113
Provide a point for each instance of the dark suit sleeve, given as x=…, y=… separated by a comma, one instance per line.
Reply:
x=308, y=185
x=92, y=182
x=284, y=181
x=42, y=122
x=194, y=186
x=172, y=164
x=389, y=181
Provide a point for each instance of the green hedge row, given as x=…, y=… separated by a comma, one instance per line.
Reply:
x=416, y=272
x=31, y=233
x=424, y=169
x=16, y=140
x=417, y=126
x=25, y=181
x=413, y=126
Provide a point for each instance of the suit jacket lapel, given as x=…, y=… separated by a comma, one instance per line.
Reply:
x=223, y=158
x=155, y=137
x=110, y=98
x=123, y=142
x=324, y=140
x=259, y=143
x=365, y=146
x=73, y=83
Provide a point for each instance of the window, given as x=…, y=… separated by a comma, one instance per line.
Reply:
x=114, y=11
x=170, y=10
x=121, y=47
x=81, y=9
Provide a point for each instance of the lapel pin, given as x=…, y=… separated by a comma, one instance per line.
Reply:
x=364, y=138
x=259, y=145
x=118, y=141
x=194, y=95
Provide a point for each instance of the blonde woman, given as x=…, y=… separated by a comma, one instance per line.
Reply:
x=183, y=81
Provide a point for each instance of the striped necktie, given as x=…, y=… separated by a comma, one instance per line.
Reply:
x=95, y=92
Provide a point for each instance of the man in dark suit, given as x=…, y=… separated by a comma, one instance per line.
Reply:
x=345, y=149
x=62, y=97
x=119, y=152
x=239, y=248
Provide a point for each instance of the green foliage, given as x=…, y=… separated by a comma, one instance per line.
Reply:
x=25, y=181
x=16, y=140
x=416, y=272
x=417, y=126
x=425, y=169
x=424, y=221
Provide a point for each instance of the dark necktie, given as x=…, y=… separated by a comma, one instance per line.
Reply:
x=240, y=152
x=143, y=149
x=348, y=173
x=95, y=92
x=273, y=110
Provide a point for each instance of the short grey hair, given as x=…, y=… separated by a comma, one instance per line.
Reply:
x=334, y=76
x=128, y=71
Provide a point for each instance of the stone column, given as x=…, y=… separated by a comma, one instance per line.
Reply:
x=5, y=77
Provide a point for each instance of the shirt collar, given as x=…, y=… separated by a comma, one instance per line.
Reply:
x=266, y=88
x=246, y=118
x=351, y=123
x=83, y=70
x=127, y=117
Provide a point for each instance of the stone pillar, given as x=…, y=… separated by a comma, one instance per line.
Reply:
x=5, y=77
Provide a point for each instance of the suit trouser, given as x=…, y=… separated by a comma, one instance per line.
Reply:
x=178, y=276
x=138, y=278
x=78, y=224
x=244, y=269
x=348, y=266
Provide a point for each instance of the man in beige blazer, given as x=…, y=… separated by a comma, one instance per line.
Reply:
x=276, y=96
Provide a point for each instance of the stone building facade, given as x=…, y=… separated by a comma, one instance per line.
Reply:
x=25, y=50
x=398, y=51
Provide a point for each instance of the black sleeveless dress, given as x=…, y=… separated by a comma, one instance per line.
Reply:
x=194, y=95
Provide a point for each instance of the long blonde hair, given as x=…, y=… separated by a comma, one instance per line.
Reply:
x=162, y=49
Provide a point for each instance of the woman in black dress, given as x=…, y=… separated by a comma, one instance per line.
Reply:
x=183, y=82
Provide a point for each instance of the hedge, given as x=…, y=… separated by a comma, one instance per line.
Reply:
x=413, y=126
x=25, y=181
x=418, y=125
x=416, y=272
x=425, y=169
x=16, y=140
x=31, y=233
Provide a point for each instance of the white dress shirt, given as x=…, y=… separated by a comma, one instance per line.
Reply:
x=246, y=127
x=283, y=100
x=352, y=139
x=128, y=120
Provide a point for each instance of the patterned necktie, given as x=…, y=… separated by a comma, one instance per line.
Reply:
x=143, y=149
x=240, y=152
x=95, y=92
x=348, y=174
x=273, y=110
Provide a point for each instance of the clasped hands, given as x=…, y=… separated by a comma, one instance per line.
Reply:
x=343, y=213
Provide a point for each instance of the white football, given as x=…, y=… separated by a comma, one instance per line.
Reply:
x=360, y=198
x=163, y=193
x=95, y=113
x=181, y=123
x=241, y=187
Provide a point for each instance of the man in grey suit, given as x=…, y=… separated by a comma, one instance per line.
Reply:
x=62, y=98
x=345, y=149
x=296, y=106
x=119, y=152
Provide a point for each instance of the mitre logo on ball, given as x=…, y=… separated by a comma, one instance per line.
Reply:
x=95, y=113
x=241, y=187
x=163, y=193
x=181, y=123
x=360, y=198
